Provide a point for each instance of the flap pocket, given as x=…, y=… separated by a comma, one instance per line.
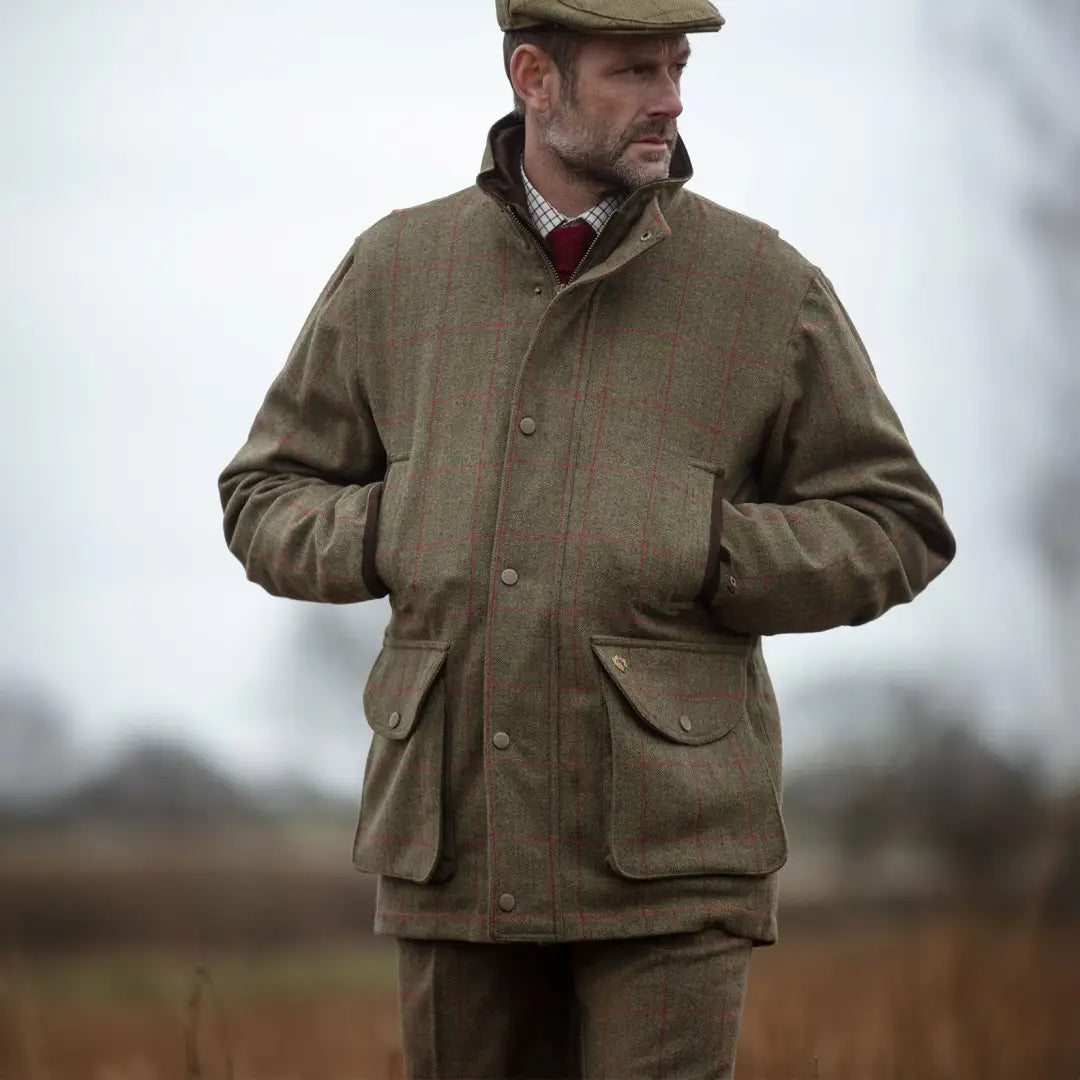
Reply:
x=400, y=831
x=399, y=681
x=689, y=693
x=689, y=784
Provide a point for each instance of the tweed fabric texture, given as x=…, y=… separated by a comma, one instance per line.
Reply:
x=663, y=1006
x=402, y=824
x=612, y=16
x=588, y=503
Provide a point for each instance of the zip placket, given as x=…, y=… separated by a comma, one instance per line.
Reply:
x=560, y=288
x=559, y=285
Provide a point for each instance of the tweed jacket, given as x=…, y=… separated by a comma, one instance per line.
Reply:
x=588, y=504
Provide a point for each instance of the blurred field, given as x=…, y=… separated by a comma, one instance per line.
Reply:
x=231, y=960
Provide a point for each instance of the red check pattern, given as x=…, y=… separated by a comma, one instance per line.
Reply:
x=534, y=475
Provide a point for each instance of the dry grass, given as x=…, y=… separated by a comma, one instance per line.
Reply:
x=943, y=999
x=169, y=969
x=946, y=998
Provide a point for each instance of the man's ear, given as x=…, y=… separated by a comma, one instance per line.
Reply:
x=533, y=76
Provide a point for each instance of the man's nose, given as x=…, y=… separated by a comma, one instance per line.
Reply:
x=668, y=101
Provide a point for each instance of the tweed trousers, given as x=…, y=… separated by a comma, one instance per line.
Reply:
x=665, y=1006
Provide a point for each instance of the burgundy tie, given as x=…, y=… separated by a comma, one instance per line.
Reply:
x=568, y=244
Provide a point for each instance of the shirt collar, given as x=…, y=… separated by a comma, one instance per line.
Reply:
x=545, y=217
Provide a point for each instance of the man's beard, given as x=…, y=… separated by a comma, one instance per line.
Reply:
x=587, y=149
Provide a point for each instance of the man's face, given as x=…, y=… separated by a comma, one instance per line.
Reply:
x=616, y=123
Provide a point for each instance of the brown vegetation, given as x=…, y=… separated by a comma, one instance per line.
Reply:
x=196, y=963
x=934, y=999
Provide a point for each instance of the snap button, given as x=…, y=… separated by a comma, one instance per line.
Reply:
x=507, y=902
x=732, y=585
x=509, y=577
x=646, y=235
x=395, y=719
x=501, y=740
x=528, y=425
x=685, y=724
x=539, y=289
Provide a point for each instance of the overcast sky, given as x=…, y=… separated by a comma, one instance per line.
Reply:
x=178, y=182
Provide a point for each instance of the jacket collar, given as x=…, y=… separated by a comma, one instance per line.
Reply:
x=500, y=178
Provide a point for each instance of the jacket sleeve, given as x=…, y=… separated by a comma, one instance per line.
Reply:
x=301, y=497
x=851, y=523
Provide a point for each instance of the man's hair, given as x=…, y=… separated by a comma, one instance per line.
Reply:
x=560, y=44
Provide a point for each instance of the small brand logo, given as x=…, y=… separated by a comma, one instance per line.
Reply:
x=620, y=663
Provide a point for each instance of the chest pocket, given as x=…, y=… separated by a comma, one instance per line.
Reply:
x=690, y=786
x=400, y=828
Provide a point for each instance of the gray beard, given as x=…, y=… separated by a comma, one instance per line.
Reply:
x=583, y=153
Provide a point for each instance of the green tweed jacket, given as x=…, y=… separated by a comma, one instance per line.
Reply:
x=587, y=505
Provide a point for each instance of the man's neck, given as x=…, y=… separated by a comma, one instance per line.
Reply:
x=569, y=194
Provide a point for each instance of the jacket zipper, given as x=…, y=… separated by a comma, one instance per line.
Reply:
x=588, y=251
x=513, y=215
x=559, y=285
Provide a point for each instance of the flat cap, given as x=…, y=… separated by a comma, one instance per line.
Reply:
x=612, y=16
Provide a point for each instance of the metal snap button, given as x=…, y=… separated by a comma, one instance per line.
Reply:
x=507, y=902
x=539, y=290
x=509, y=577
x=732, y=585
x=685, y=723
x=646, y=235
x=395, y=719
x=528, y=425
x=501, y=740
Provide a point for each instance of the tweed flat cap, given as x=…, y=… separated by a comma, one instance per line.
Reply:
x=612, y=16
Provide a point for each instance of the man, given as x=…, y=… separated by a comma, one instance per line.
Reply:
x=595, y=436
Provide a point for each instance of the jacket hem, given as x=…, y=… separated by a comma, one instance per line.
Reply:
x=759, y=927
